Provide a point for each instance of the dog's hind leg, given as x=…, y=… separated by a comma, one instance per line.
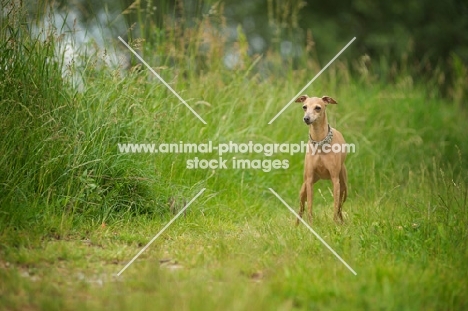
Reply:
x=337, y=199
x=343, y=194
x=343, y=184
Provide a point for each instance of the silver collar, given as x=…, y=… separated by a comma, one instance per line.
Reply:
x=326, y=140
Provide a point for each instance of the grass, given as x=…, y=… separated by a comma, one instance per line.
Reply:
x=74, y=210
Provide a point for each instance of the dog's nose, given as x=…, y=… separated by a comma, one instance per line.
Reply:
x=306, y=119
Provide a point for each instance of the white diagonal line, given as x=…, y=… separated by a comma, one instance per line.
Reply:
x=310, y=82
x=160, y=232
x=162, y=80
x=312, y=230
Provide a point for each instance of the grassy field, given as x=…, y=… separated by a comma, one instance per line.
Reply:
x=74, y=210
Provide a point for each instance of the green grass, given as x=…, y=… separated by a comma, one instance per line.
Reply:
x=74, y=210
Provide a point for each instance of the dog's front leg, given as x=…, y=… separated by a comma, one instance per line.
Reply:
x=303, y=197
x=310, y=197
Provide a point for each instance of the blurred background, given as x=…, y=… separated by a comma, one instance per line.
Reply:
x=425, y=39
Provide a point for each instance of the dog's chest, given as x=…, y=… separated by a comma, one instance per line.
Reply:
x=319, y=167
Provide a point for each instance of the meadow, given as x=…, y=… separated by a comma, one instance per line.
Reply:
x=74, y=210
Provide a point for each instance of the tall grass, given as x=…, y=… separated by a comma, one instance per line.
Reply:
x=59, y=145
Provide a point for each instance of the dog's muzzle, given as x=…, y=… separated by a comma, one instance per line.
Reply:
x=308, y=120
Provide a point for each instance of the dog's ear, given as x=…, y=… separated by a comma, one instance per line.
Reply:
x=301, y=99
x=329, y=100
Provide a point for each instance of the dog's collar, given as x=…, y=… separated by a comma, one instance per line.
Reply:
x=326, y=140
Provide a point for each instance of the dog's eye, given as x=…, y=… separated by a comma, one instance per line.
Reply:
x=304, y=107
x=318, y=108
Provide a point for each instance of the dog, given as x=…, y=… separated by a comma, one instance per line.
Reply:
x=321, y=161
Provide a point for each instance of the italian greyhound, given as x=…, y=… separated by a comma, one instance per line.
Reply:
x=323, y=160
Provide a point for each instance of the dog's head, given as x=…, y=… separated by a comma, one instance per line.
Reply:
x=314, y=107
